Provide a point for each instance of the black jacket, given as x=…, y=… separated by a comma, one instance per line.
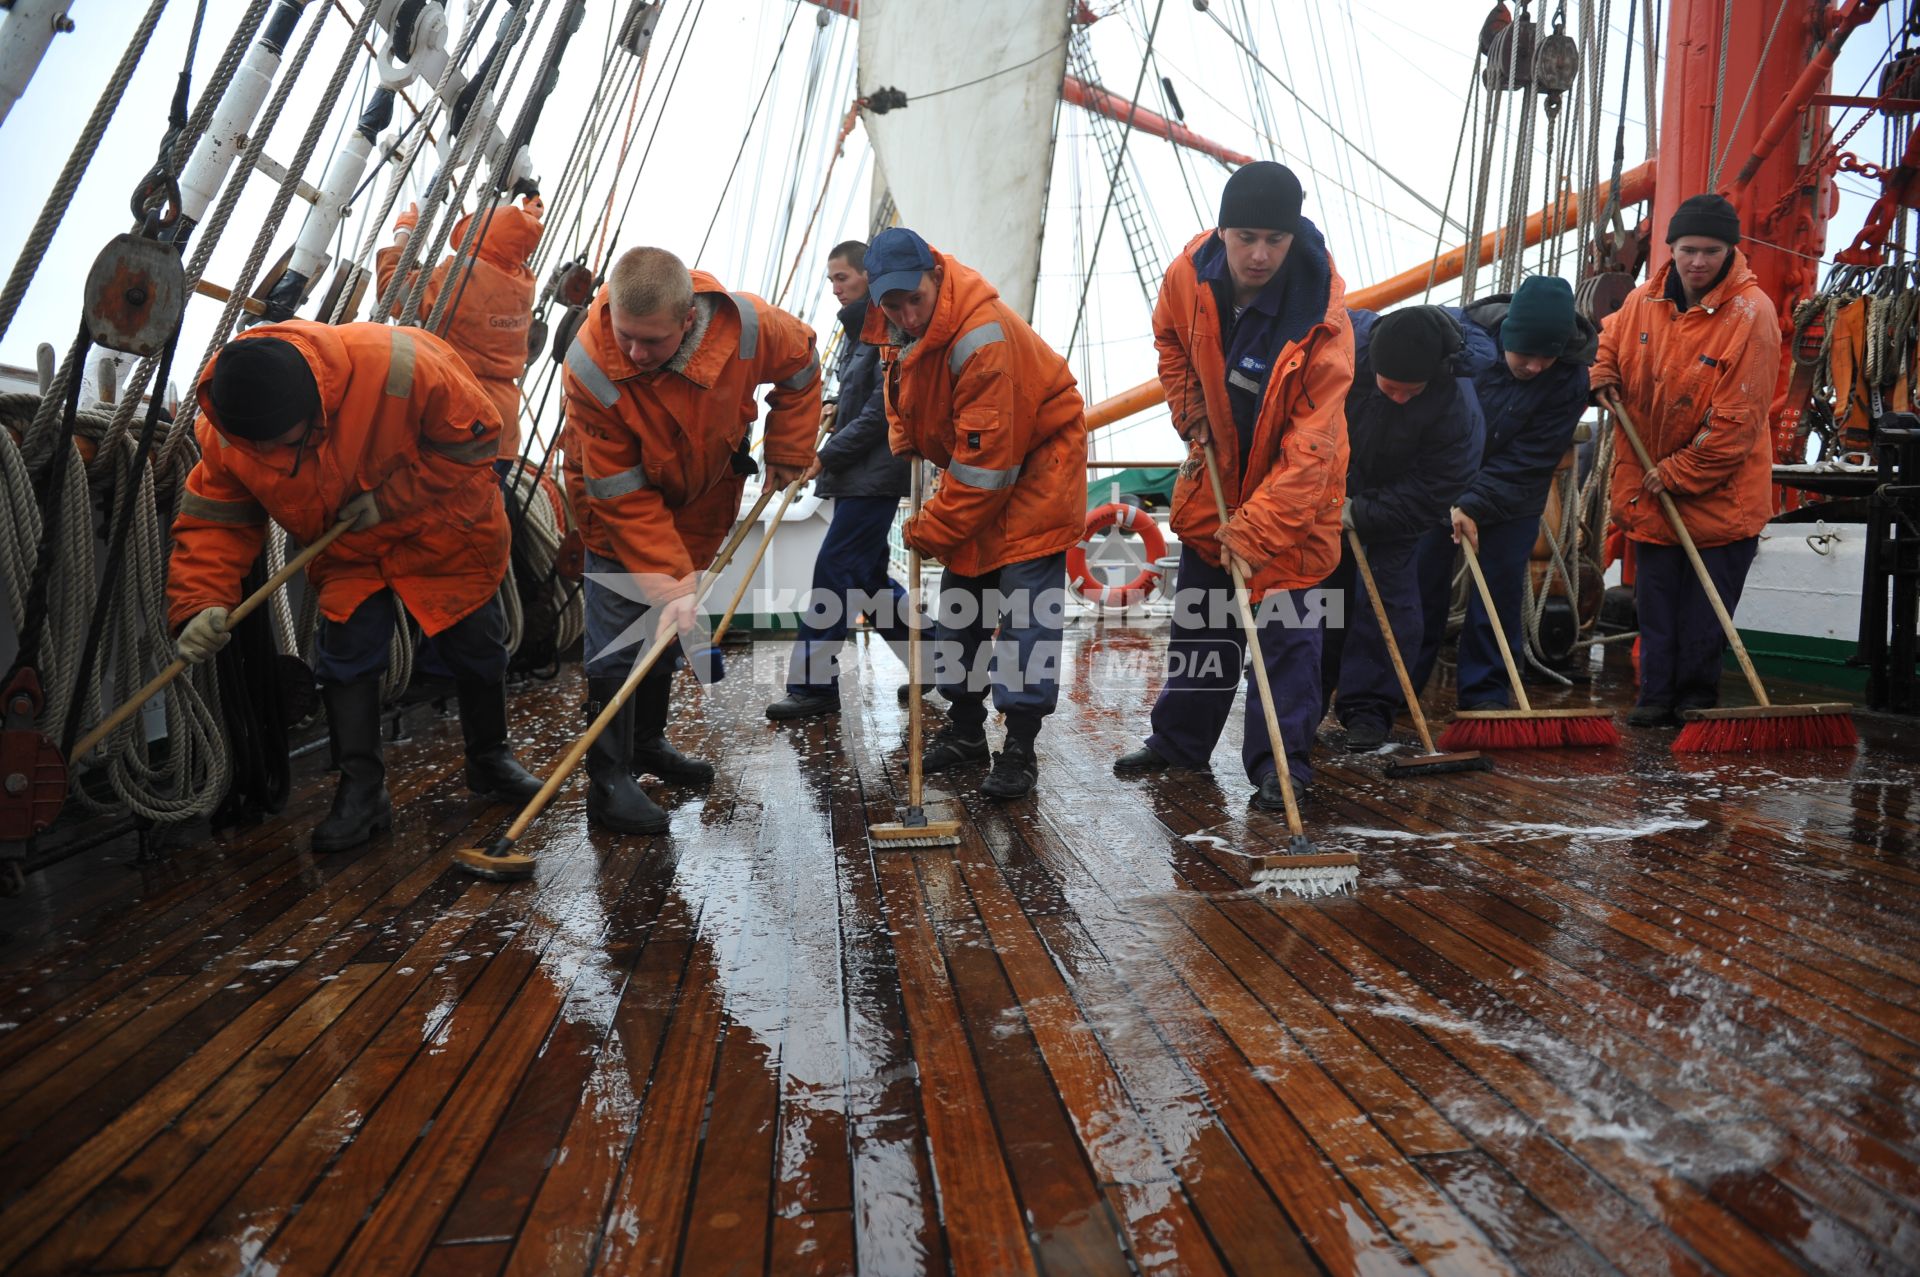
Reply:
x=855, y=460
x=1529, y=423
x=1407, y=463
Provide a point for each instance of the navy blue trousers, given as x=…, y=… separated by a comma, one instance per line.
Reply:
x=1681, y=642
x=849, y=577
x=1206, y=664
x=472, y=648
x=1027, y=603
x=1353, y=658
x=619, y=633
x=1481, y=675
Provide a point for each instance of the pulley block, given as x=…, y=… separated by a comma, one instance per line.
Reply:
x=135, y=295
x=1509, y=67
x=1556, y=64
x=1600, y=295
x=33, y=773
x=573, y=284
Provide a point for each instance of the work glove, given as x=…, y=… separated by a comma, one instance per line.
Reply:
x=407, y=221
x=534, y=205
x=363, y=510
x=1346, y=515
x=204, y=635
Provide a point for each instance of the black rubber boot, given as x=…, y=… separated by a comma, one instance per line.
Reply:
x=615, y=801
x=653, y=753
x=492, y=769
x=361, y=808
x=1366, y=733
x=1014, y=770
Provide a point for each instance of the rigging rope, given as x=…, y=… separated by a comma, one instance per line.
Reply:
x=1113, y=178
x=1388, y=173
x=34, y=251
x=746, y=133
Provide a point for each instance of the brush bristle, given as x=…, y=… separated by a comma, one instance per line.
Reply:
x=1582, y=732
x=1324, y=880
x=1753, y=735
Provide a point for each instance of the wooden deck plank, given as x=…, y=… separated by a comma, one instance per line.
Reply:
x=176, y=1211
x=896, y=1201
x=1594, y=1011
x=86, y=1230
x=1162, y=1231
x=1677, y=1119
x=1845, y=1029
x=1057, y=1190
x=985, y=1226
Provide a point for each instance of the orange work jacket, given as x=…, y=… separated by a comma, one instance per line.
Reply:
x=650, y=456
x=1700, y=387
x=984, y=398
x=489, y=326
x=1284, y=512
x=402, y=418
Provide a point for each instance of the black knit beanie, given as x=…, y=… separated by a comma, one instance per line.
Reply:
x=1414, y=344
x=1710, y=215
x=261, y=388
x=1261, y=196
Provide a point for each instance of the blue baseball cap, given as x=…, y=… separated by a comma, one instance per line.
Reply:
x=896, y=260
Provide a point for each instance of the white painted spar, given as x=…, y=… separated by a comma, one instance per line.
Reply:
x=29, y=28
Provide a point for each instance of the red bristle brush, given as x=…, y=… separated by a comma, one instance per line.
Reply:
x=1526, y=727
x=1762, y=725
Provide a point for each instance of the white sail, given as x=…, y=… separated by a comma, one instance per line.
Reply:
x=968, y=167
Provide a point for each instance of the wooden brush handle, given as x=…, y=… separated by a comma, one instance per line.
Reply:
x=1499, y=630
x=1393, y=645
x=916, y=777
x=246, y=608
x=661, y=642
x=788, y=494
x=1679, y=526
x=1241, y=596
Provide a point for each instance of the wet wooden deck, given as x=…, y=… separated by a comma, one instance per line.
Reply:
x=1593, y=1012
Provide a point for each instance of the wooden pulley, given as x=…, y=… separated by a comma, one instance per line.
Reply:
x=1556, y=64
x=1600, y=295
x=536, y=340
x=573, y=284
x=135, y=295
x=33, y=773
x=351, y=281
x=570, y=320
x=1509, y=67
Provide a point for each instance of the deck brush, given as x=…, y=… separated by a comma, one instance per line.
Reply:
x=498, y=861
x=1308, y=873
x=1526, y=727
x=915, y=830
x=1762, y=725
x=1304, y=869
x=1433, y=763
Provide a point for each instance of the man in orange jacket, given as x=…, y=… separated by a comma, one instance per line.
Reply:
x=309, y=424
x=1693, y=357
x=1256, y=354
x=660, y=384
x=492, y=310
x=971, y=388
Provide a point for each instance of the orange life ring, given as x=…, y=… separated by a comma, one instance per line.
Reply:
x=1097, y=591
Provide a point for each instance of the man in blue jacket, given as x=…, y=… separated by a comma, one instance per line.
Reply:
x=1532, y=396
x=1414, y=433
x=859, y=471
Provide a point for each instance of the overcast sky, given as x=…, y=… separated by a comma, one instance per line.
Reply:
x=1391, y=76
